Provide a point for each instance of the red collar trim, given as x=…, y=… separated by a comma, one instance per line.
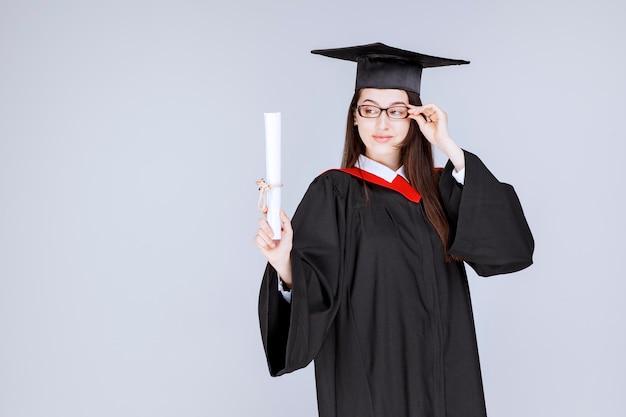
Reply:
x=399, y=184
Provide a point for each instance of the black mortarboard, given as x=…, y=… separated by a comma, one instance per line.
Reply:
x=382, y=66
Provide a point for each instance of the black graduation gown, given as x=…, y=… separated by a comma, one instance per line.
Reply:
x=387, y=320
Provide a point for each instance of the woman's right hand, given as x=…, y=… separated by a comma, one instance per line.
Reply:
x=277, y=252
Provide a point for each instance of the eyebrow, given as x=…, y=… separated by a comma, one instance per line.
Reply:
x=391, y=105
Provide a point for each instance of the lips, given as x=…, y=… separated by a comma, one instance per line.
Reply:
x=382, y=138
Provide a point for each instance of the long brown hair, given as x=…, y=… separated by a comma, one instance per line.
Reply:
x=417, y=158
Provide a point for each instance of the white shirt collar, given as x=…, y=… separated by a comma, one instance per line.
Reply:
x=378, y=169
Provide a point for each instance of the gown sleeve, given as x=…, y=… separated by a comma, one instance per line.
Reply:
x=293, y=333
x=488, y=229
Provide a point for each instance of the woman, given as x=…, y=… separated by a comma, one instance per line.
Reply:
x=368, y=279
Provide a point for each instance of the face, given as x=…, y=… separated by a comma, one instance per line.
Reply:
x=382, y=136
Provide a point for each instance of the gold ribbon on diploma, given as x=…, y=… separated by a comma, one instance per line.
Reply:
x=264, y=188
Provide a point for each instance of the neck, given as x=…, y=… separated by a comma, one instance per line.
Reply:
x=390, y=161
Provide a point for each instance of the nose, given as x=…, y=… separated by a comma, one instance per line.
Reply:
x=382, y=121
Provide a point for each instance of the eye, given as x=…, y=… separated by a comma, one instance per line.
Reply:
x=398, y=112
x=369, y=111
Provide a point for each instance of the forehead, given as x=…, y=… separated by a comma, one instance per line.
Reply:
x=384, y=96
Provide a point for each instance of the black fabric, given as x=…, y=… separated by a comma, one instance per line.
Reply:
x=374, y=72
x=388, y=321
x=382, y=66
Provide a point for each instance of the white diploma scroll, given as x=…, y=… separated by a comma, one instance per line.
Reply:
x=272, y=167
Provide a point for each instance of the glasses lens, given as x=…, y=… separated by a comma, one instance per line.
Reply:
x=400, y=112
x=368, y=111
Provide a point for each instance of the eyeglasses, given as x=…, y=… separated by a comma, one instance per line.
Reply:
x=372, y=112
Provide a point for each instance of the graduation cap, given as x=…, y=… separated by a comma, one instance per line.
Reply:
x=382, y=66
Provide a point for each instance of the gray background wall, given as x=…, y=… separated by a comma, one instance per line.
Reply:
x=131, y=134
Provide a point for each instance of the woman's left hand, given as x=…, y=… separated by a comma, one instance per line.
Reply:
x=433, y=122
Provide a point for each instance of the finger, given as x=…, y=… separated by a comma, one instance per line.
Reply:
x=286, y=223
x=416, y=111
x=420, y=119
x=263, y=246
x=421, y=113
x=434, y=112
x=259, y=242
x=265, y=226
x=429, y=109
x=265, y=240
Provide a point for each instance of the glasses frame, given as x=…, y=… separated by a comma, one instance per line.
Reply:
x=358, y=110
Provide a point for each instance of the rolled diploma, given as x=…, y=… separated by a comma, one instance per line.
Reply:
x=272, y=167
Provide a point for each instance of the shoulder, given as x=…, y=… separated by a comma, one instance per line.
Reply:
x=335, y=180
x=336, y=176
x=328, y=193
